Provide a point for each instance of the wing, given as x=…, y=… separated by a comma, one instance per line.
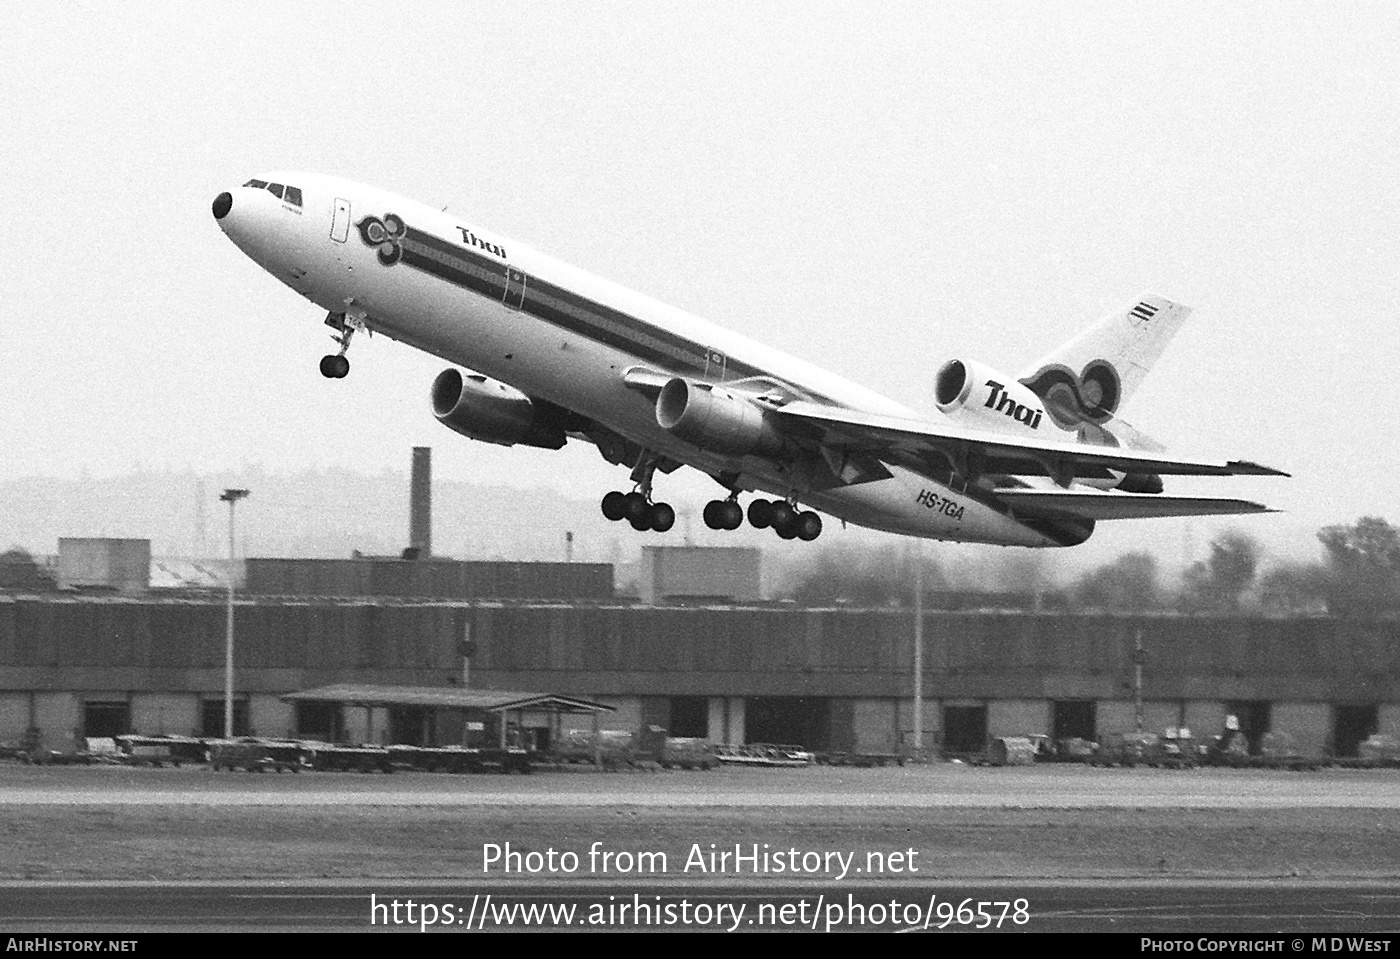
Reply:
x=1092, y=504
x=933, y=448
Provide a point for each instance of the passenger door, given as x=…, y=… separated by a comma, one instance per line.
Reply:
x=340, y=221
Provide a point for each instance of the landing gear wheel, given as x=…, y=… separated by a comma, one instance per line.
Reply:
x=635, y=508
x=712, y=514
x=809, y=526
x=782, y=514
x=663, y=517
x=786, y=531
x=760, y=514
x=641, y=523
x=334, y=367
x=731, y=514
x=614, y=506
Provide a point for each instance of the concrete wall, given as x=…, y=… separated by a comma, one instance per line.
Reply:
x=1120, y=716
x=933, y=721
x=156, y=714
x=1017, y=717
x=1310, y=725
x=1205, y=719
x=60, y=717
x=14, y=716
x=365, y=724
x=717, y=725
x=270, y=716
x=1388, y=719
x=628, y=715
x=736, y=728
x=875, y=725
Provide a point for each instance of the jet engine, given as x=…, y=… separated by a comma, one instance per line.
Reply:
x=983, y=398
x=488, y=410
x=717, y=419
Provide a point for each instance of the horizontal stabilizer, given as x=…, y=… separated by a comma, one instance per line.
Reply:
x=1096, y=505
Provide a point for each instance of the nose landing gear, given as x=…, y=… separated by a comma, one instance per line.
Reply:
x=335, y=366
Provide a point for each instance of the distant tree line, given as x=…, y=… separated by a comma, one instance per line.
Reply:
x=1357, y=577
x=18, y=570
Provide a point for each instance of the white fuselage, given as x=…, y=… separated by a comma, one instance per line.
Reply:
x=494, y=306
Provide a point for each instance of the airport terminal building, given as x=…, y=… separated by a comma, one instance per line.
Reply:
x=706, y=660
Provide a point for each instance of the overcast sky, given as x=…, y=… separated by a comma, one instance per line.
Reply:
x=874, y=187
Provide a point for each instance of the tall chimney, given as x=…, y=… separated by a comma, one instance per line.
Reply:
x=420, y=503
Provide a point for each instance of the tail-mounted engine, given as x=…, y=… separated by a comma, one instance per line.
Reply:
x=488, y=410
x=717, y=419
x=983, y=398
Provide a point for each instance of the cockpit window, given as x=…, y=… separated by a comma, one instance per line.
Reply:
x=287, y=194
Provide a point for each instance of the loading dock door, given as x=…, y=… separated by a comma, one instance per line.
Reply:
x=690, y=716
x=1073, y=719
x=789, y=720
x=106, y=719
x=1254, y=716
x=1351, y=726
x=964, y=729
x=319, y=721
x=409, y=726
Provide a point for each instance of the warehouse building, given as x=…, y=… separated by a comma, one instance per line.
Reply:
x=91, y=665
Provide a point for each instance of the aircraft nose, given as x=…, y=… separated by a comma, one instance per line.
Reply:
x=222, y=204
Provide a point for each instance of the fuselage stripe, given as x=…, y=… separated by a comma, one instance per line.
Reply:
x=561, y=307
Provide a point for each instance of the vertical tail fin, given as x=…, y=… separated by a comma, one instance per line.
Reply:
x=1090, y=378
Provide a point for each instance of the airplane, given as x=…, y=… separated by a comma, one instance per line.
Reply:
x=543, y=352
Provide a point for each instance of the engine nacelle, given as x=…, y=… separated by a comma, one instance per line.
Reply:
x=981, y=397
x=488, y=410
x=717, y=419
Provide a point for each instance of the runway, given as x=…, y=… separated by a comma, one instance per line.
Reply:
x=941, y=785
x=112, y=849
x=1028, y=906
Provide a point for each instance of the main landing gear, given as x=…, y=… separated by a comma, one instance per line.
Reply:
x=335, y=366
x=724, y=513
x=781, y=516
x=636, y=507
x=784, y=518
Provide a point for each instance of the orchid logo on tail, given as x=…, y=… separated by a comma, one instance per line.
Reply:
x=1074, y=400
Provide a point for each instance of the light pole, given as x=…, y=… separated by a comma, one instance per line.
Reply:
x=919, y=649
x=231, y=497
